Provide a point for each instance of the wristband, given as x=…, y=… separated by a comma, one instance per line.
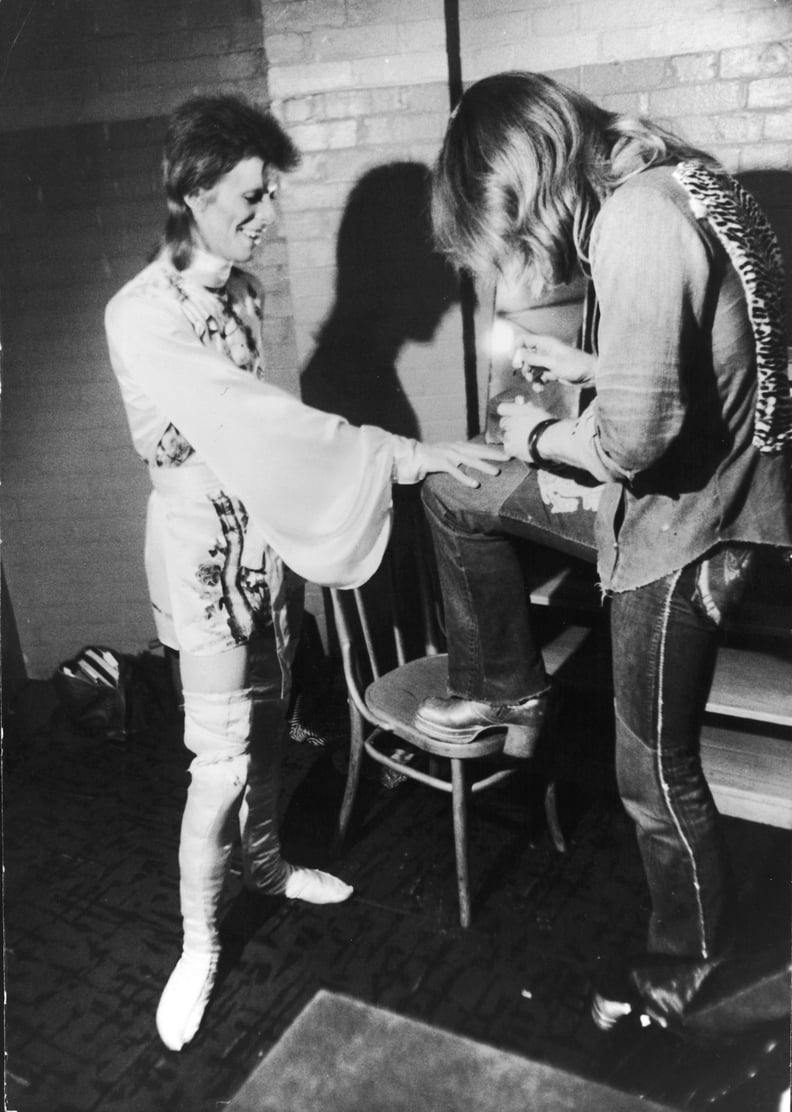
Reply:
x=533, y=438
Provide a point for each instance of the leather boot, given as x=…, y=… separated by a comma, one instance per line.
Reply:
x=463, y=720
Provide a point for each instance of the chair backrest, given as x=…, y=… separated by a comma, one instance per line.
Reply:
x=395, y=617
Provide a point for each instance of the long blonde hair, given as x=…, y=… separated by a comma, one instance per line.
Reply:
x=525, y=166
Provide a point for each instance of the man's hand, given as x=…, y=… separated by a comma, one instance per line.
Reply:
x=517, y=420
x=543, y=358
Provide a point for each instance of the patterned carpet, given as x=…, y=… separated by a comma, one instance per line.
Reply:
x=92, y=925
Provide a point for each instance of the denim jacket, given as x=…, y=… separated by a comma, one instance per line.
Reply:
x=670, y=430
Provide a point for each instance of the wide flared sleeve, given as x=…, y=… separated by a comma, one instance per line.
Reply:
x=317, y=489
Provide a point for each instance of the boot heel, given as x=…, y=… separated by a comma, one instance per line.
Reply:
x=520, y=741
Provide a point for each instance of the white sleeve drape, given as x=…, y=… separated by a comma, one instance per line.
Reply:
x=317, y=489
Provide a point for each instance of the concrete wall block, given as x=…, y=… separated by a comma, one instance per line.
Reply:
x=195, y=41
x=74, y=356
x=278, y=341
x=695, y=67
x=604, y=15
x=349, y=166
x=553, y=52
x=293, y=81
x=470, y=10
x=778, y=125
x=313, y=285
x=628, y=103
x=64, y=427
x=302, y=16
x=125, y=49
x=370, y=41
x=697, y=29
x=403, y=129
x=716, y=96
x=423, y=35
x=272, y=260
x=110, y=17
x=285, y=49
x=558, y=20
x=569, y=75
x=485, y=60
x=277, y=304
x=623, y=77
x=626, y=42
x=745, y=127
x=333, y=135
x=401, y=70
x=239, y=65
x=366, y=12
x=303, y=197
x=64, y=83
x=300, y=109
x=245, y=33
x=308, y=224
x=493, y=30
x=770, y=92
x=756, y=60
x=425, y=153
x=313, y=165
x=766, y=156
x=425, y=98
x=313, y=253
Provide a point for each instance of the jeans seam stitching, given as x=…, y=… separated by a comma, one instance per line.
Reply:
x=674, y=581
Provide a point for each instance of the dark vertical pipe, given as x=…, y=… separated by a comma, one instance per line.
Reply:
x=467, y=292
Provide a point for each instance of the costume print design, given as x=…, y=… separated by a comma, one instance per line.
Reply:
x=227, y=332
x=233, y=594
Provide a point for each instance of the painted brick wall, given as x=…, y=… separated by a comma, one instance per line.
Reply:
x=363, y=81
x=81, y=122
x=362, y=86
x=720, y=71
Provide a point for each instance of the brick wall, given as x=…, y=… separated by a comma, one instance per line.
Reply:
x=720, y=71
x=364, y=81
x=363, y=87
x=557, y=34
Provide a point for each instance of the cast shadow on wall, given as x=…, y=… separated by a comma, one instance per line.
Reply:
x=392, y=288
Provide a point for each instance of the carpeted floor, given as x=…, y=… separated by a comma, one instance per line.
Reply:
x=92, y=924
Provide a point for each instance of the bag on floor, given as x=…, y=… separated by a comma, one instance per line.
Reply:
x=92, y=691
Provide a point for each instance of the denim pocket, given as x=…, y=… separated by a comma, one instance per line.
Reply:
x=721, y=580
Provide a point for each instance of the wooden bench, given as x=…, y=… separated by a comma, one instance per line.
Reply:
x=746, y=742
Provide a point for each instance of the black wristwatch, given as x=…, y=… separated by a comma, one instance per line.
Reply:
x=533, y=439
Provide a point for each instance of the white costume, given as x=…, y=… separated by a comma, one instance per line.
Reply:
x=250, y=487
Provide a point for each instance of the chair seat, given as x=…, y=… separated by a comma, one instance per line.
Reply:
x=394, y=698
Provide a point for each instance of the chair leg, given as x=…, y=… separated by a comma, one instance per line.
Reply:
x=551, y=817
x=356, y=735
x=459, y=802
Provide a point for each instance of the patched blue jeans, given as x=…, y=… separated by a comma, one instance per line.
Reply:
x=664, y=649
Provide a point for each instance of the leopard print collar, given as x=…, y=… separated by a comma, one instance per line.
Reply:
x=745, y=234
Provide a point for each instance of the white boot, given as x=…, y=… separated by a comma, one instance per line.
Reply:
x=265, y=870
x=216, y=730
x=314, y=886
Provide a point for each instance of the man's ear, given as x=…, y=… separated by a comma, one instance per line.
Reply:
x=196, y=202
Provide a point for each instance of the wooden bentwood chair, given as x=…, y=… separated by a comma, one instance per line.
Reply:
x=386, y=681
